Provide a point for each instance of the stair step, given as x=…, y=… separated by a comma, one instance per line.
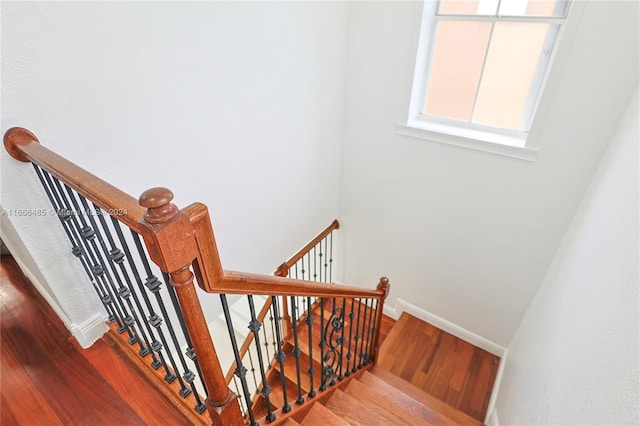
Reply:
x=291, y=373
x=382, y=379
x=354, y=412
x=290, y=422
x=320, y=415
x=395, y=405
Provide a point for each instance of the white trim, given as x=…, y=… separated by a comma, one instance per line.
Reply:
x=449, y=327
x=503, y=145
x=90, y=330
x=390, y=312
x=492, y=413
x=492, y=419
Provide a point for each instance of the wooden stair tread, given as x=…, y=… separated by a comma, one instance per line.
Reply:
x=290, y=422
x=290, y=369
x=396, y=406
x=383, y=379
x=353, y=411
x=321, y=416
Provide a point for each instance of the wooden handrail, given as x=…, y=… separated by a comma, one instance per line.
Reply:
x=283, y=269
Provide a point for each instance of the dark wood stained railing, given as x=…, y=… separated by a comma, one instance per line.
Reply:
x=182, y=244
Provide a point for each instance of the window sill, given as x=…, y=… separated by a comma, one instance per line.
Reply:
x=510, y=146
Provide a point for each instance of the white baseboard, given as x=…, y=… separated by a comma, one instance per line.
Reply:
x=90, y=330
x=448, y=326
x=492, y=419
x=464, y=334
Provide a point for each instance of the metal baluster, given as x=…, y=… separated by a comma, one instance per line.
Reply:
x=302, y=266
x=372, y=330
x=118, y=257
x=368, y=331
x=323, y=384
x=153, y=284
x=357, y=338
x=65, y=216
x=311, y=369
x=253, y=371
x=156, y=363
x=331, y=257
x=280, y=357
x=344, y=303
x=296, y=348
x=241, y=371
x=315, y=257
x=98, y=268
x=188, y=375
x=123, y=293
x=325, y=261
x=320, y=261
x=273, y=330
x=244, y=411
x=351, y=315
x=255, y=326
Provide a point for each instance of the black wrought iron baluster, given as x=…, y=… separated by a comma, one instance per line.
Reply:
x=124, y=295
x=368, y=331
x=280, y=356
x=118, y=257
x=332, y=339
x=98, y=267
x=372, y=330
x=331, y=257
x=344, y=303
x=323, y=381
x=253, y=371
x=254, y=326
x=302, y=266
x=155, y=363
x=266, y=344
x=188, y=375
x=320, y=254
x=296, y=347
x=240, y=400
x=241, y=371
x=65, y=216
x=357, y=339
x=351, y=316
x=311, y=370
x=153, y=284
x=273, y=330
x=315, y=275
x=325, y=261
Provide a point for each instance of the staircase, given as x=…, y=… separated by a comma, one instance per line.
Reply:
x=373, y=396
x=374, y=399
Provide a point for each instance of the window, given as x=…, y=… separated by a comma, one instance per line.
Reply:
x=481, y=67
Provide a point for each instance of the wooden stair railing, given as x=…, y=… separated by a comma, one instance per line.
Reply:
x=182, y=244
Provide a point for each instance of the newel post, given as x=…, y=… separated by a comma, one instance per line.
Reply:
x=383, y=286
x=173, y=248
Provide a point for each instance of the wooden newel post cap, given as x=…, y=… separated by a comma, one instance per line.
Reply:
x=18, y=136
x=384, y=286
x=158, y=204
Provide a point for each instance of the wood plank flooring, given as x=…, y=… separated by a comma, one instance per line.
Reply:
x=48, y=379
x=440, y=364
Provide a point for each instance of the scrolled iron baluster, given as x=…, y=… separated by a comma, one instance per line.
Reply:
x=332, y=339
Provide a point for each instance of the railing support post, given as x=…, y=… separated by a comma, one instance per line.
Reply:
x=383, y=286
x=174, y=250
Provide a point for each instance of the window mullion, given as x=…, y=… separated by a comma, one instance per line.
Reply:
x=484, y=64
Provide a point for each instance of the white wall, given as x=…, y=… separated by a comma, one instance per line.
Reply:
x=574, y=358
x=236, y=105
x=467, y=235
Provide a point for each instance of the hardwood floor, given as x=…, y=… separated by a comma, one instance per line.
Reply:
x=440, y=364
x=48, y=379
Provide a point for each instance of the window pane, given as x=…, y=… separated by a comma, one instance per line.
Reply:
x=511, y=65
x=456, y=66
x=546, y=8
x=468, y=7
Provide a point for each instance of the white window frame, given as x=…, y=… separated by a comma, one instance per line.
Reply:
x=508, y=142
